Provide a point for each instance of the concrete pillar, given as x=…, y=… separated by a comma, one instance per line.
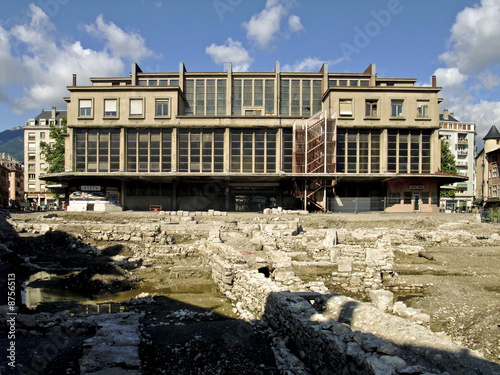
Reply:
x=174, y=150
x=383, y=151
x=227, y=150
x=174, y=196
x=123, y=147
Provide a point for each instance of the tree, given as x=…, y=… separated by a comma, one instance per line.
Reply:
x=54, y=154
x=448, y=165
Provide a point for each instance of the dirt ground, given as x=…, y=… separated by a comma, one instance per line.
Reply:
x=463, y=294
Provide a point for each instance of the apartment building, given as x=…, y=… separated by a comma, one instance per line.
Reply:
x=15, y=180
x=488, y=174
x=244, y=141
x=35, y=131
x=461, y=137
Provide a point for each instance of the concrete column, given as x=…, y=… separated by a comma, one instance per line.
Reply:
x=227, y=150
x=383, y=151
x=279, y=151
x=174, y=196
x=122, y=194
x=123, y=152
x=174, y=150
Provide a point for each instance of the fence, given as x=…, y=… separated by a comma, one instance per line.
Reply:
x=357, y=204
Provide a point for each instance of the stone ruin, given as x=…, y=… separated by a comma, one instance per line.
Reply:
x=276, y=273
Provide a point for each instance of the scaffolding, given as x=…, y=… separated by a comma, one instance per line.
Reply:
x=313, y=153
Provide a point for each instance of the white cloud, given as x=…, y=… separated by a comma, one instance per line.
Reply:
x=471, y=79
x=294, y=23
x=264, y=28
x=309, y=64
x=48, y=64
x=121, y=43
x=231, y=51
x=450, y=77
x=475, y=41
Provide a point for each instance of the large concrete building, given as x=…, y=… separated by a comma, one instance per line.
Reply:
x=461, y=137
x=488, y=172
x=239, y=141
x=35, y=131
x=15, y=180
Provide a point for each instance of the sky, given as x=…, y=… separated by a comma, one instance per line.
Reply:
x=43, y=42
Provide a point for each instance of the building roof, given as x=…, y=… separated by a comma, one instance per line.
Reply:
x=449, y=119
x=48, y=115
x=492, y=134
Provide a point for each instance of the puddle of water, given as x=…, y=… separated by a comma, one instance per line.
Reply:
x=43, y=287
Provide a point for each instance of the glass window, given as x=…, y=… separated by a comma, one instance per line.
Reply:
x=31, y=136
x=31, y=146
x=371, y=106
x=237, y=97
x=162, y=107
x=422, y=108
x=221, y=97
x=393, y=198
x=345, y=106
x=397, y=107
x=110, y=107
x=136, y=107
x=85, y=107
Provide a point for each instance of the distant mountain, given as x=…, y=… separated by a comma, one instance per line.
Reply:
x=12, y=143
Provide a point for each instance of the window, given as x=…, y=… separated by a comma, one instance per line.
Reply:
x=409, y=151
x=397, y=107
x=407, y=197
x=31, y=187
x=31, y=146
x=85, y=107
x=345, y=106
x=253, y=150
x=31, y=176
x=43, y=122
x=42, y=135
x=148, y=150
x=422, y=108
x=371, y=106
x=494, y=172
x=110, y=107
x=162, y=107
x=136, y=108
x=97, y=150
x=201, y=150
x=31, y=167
x=31, y=136
x=425, y=197
x=42, y=166
x=31, y=157
x=495, y=191
x=358, y=151
x=252, y=112
x=393, y=198
x=300, y=97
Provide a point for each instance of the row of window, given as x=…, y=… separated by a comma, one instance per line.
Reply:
x=372, y=108
x=251, y=150
x=407, y=197
x=136, y=108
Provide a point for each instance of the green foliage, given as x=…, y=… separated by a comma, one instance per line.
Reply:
x=494, y=215
x=54, y=155
x=448, y=165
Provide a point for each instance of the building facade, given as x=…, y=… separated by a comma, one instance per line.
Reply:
x=461, y=137
x=246, y=141
x=15, y=180
x=488, y=173
x=35, y=131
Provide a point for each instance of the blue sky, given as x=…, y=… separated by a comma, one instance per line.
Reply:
x=43, y=42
